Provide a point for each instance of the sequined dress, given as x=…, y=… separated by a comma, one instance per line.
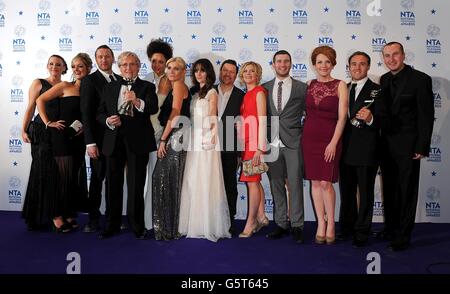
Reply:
x=167, y=176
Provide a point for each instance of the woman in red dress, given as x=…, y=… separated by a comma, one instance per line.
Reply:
x=326, y=111
x=253, y=133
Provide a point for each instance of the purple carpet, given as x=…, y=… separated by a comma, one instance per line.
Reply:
x=45, y=252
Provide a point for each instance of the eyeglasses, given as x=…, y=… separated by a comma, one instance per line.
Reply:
x=128, y=64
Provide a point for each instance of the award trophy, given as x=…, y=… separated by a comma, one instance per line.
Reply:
x=359, y=122
x=127, y=107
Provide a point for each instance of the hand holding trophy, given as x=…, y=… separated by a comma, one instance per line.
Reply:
x=359, y=123
x=127, y=107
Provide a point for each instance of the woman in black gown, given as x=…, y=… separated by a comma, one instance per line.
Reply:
x=62, y=119
x=41, y=181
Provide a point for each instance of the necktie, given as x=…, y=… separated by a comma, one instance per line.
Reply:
x=352, y=96
x=393, y=86
x=111, y=78
x=279, y=96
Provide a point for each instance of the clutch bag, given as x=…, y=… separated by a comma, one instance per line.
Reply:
x=249, y=169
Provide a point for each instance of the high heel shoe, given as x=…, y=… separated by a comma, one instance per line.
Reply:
x=246, y=235
x=64, y=228
x=330, y=240
x=320, y=239
x=263, y=223
x=73, y=223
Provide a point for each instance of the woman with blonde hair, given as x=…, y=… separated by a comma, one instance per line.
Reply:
x=253, y=133
x=59, y=109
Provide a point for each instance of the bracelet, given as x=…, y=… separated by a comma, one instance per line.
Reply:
x=163, y=141
x=48, y=123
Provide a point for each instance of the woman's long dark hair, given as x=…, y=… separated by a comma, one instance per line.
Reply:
x=205, y=65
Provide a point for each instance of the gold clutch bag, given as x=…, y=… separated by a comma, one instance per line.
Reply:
x=249, y=169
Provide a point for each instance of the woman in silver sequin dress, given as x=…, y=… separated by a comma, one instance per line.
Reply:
x=168, y=174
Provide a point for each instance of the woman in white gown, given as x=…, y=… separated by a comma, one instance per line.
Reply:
x=204, y=209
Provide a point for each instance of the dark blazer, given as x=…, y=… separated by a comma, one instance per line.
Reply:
x=91, y=88
x=232, y=110
x=410, y=121
x=290, y=128
x=137, y=130
x=360, y=145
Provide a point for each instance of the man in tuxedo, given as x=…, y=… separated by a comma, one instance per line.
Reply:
x=229, y=104
x=286, y=102
x=406, y=138
x=128, y=140
x=360, y=160
x=90, y=94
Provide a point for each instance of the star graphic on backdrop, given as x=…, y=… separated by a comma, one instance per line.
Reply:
x=20, y=12
x=270, y=63
x=242, y=197
x=116, y=10
x=271, y=10
x=166, y=10
x=380, y=10
x=408, y=38
x=380, y=63
x=353, y=37
x=18, y=62
x=434, y=65
x=66, y=12
x=433, y=11
x=219, y=10
x=326, y=9
x=42, y=38
x=218, y=62
x=300, y=37
x=141, y=36
x=433, y=173
x=245, y=36
x=193, y=37
x=91, y=37
x=15, y=163
x=16, y=112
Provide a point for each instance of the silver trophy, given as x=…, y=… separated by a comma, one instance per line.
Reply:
x=359, y=122
x=127, y=107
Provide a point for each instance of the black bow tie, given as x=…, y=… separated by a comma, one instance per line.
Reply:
x=127, y=82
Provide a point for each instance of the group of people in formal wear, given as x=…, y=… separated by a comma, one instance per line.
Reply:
x=181, y=147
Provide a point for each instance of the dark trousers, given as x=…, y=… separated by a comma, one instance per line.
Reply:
x=229, y=168
x=136, y=171
x=98, y=173
x=400, y=184
x=353, y=219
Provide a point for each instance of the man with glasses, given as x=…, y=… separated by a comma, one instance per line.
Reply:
x=129, y=138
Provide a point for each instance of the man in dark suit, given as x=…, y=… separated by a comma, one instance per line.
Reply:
x=229, y=107
x=286, y=102
x=129, y=138
x=360, y=160
x=90, y=94
x=406, y=139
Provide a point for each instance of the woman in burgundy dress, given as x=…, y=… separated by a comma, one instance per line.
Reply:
x=253, y=133
x=326, y=111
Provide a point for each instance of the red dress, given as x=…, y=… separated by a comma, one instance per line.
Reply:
x=322, y=107
x=249, y=129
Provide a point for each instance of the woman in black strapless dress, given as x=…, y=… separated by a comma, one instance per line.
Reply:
x=59, y=109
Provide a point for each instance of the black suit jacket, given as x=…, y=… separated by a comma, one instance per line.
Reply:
x=410, y=121
x=232, y=110
x=91, y=88
x=137, y=130
x=360, y=146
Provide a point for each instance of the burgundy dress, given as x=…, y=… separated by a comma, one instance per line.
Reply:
x=249, y=135
x=322, y=105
